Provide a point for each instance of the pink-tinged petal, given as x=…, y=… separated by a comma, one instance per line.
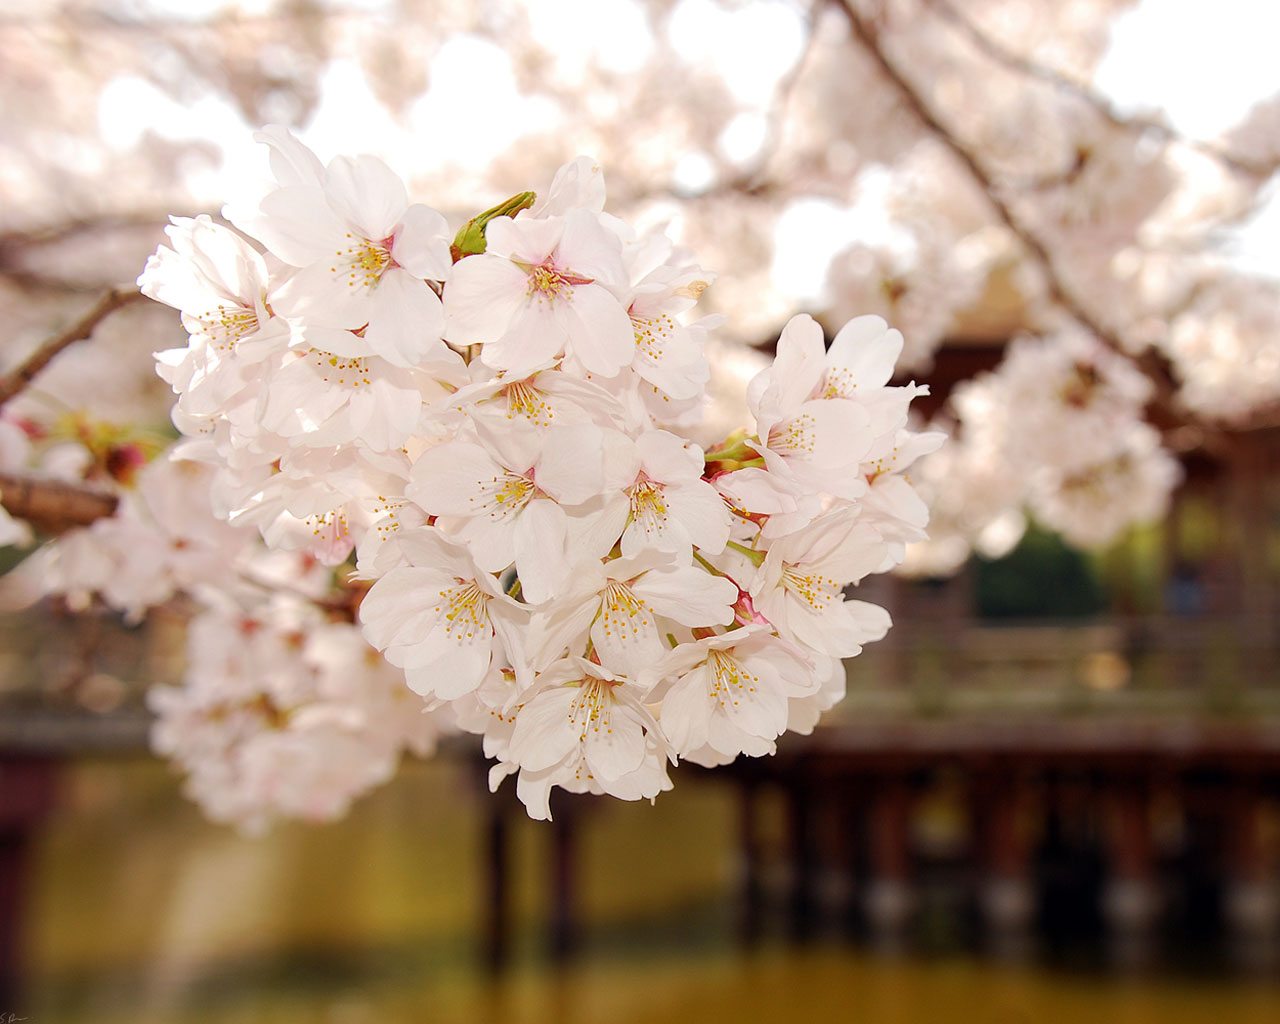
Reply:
x=297, y=401
x=894, y=496
x=909, y=446
x=389, y=603
x=292, y=163
x=518, y=450
x=318, y=294
x=751, y=705
x=798, y=366
x=534, y=791
x=690, y=595
x=626, y=634
x=672, y=361
x=510, y=623
x=421, y=243
x=831, y=436
x=457, y=667
x=571, y=468
x=598, y=329
x=561, y=628
x=863, y=353
x=614, y=743
x=406, y=320
x=525, y=239
x=686, y=711
x=669, y=458
x=387, y=417
x=224, y=259
x=589, y=250
x=366, y=193
x=594, y=527
x=482, y=297
x=778, y=390
x=842, y=629
x=579, y=183
x=298, y=225
x=533, y=338
x=699, y=509
x=449, y=480
x=539, y=550
x=490, y=541
x=545, y=732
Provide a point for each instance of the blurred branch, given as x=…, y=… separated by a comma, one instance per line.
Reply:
x=53, y=506
x=1150, y=362
x=1099, y=102
x=50, y=234
x=12, y=384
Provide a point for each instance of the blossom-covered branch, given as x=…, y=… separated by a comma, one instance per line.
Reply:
x=1153, y=365
x=1096, y=100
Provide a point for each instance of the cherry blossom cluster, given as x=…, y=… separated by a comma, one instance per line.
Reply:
x=1058, y=429
x=497, y=425
x=283, y=714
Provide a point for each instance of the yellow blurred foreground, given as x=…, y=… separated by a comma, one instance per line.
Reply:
x=140, y=912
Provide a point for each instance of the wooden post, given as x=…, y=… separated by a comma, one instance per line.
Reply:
x=27, y=794
x=1007, y=892
x=1130, y=898
x=889, y=900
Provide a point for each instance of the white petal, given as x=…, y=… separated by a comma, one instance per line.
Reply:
x=367, y=193
x=421, y=246
x=406, y=320
x=539, y=550
x=483, y=295
x=598, y=328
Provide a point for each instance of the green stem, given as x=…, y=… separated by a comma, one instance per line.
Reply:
x=756, y=557
x=705, y=564
x=739, y=452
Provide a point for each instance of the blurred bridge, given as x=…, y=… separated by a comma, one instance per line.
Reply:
x=1118, y=775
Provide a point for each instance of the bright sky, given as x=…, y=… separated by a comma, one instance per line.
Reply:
x=1204, y=67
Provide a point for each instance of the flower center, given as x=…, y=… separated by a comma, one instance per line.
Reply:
x=464, y=609
x=814, y=589
x=651, y=335
x=648, y=506
x=623, y=614
x=506, y=494
x=549, y=282
x=590, y=708
x=226, y=325
x=794, y=437
x=838, y=382
x=729, y=678
x=523, y=399
x=364, y=261
x=342, y=370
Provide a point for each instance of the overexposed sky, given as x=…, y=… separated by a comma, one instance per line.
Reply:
x=1203, y=64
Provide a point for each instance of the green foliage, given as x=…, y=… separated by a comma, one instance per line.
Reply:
x=1042, y=578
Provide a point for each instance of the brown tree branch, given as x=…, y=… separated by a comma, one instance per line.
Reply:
x=53, y=506
x=12, y=384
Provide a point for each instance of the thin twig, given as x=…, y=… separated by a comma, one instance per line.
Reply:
x=1100, y=103
x=14, y=383
x=53, y=506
